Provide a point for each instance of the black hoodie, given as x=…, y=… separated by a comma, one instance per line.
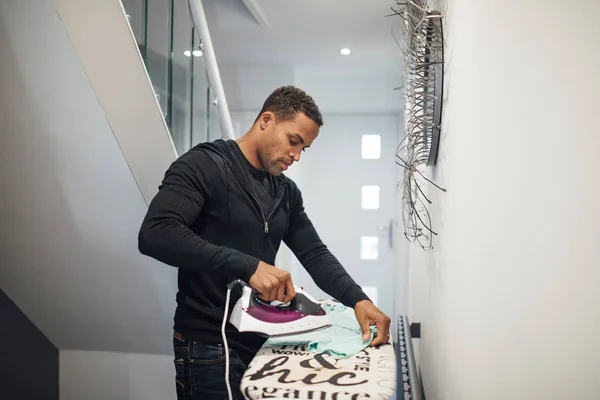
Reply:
x=206, y=221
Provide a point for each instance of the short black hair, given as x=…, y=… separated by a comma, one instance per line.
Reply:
x=286, y=101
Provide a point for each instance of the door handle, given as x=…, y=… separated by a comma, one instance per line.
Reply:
x=389, y=229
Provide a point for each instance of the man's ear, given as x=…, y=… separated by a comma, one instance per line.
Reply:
x=266, y=119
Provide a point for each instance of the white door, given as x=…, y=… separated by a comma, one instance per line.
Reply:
x=348, y=181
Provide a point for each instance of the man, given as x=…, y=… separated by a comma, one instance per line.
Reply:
x=221, y=213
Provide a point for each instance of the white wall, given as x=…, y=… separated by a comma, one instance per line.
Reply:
x=117, y=75
x=508, y=299
x=99, y=375
x=348, y=90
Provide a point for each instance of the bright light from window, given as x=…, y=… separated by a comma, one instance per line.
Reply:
x=369, y=248
x=371, y=291
x=187, y=53
x=345, y=51
x=370, y=197
x=371, y=147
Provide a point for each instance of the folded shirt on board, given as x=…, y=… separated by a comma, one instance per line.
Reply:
x=343, y=339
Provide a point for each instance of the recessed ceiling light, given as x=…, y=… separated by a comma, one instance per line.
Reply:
x=345, y=51
x=197, y=53
x=187, y=53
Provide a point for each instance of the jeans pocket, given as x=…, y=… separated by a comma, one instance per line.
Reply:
x=207, y=354
x=180, y=378
x=182, y=369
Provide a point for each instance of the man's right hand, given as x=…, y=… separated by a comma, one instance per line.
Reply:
x=273, y=283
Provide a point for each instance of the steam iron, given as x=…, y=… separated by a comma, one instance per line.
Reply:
x=302, y=314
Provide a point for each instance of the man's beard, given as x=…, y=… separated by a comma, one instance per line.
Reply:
x=271, y=167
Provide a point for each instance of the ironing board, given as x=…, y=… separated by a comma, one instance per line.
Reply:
x=291, y=372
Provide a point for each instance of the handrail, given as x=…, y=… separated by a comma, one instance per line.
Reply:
x=214, y=77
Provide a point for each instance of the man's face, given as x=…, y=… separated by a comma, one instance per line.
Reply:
x=283, y=141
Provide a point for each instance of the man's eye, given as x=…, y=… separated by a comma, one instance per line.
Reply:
x=293, y=142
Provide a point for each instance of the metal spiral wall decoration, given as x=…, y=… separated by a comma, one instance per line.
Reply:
x=422, y=45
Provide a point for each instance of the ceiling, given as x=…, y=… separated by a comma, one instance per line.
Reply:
x=300, y=43
x=304, y=32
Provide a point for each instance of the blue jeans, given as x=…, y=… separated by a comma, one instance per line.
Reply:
x=200, y=371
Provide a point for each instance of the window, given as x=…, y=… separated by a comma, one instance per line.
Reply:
x=371, y=291
x=369, y=248
x=370, y=197
x=371, y=147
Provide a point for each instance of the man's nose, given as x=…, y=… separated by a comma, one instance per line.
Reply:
x=295, y=156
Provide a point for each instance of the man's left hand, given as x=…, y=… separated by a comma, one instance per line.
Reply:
x=366, y=315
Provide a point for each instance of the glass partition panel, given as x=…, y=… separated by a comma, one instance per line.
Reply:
x=214, y=121
x=173, y=53
x=135, y=10
x=199, y=83
x=179, y=119
x=157, y=48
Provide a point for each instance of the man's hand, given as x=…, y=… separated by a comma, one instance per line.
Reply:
x=366, y=315
x=273, y=283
